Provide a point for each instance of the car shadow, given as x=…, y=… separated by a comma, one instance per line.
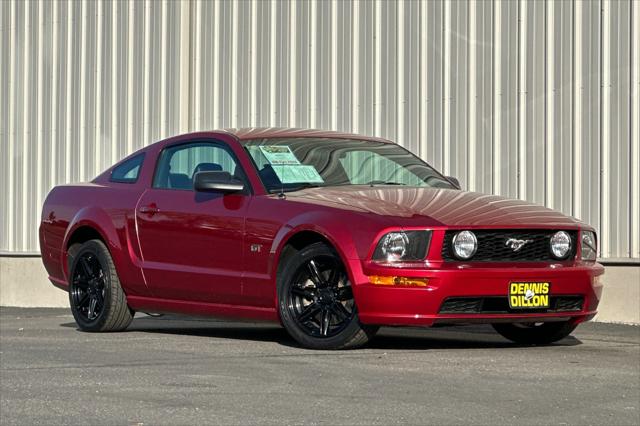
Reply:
x=388, y=338
x=451, y=338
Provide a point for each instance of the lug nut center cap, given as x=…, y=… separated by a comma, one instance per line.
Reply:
x=325, y=297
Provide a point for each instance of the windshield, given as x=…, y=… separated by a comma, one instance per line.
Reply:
x=295, y=163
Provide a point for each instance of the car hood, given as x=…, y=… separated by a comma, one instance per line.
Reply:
x=436, y=207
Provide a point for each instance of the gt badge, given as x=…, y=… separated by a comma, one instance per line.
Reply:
x=529, y=295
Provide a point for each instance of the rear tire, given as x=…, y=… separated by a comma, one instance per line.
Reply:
x=316, y=301
x=535, y=334
x=97, y=300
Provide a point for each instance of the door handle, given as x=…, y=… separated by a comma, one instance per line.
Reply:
x=151, y=209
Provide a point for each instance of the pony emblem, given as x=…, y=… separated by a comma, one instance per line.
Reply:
x=516, y=245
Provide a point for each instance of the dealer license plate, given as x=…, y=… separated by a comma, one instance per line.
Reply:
x=529, y=295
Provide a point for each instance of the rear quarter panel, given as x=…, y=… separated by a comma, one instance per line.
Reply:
x=109, y=209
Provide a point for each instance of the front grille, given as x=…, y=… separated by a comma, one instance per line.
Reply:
x=500, y=305
x=492, y=246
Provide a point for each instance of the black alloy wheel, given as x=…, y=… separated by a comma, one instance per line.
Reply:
x=97, y=300
x=88, y=289
x=316, y=301
x=320, y=299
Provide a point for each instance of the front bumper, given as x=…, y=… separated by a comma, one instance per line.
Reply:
x=420, y=306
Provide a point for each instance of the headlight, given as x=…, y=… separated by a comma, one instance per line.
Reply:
x=464, y=244
x=403, y=246
x=560, y=244
x=588, y=245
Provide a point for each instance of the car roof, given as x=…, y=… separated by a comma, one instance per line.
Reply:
x=244, y=135
x=248, y=133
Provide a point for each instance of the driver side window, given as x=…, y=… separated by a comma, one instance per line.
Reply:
x=178, y=164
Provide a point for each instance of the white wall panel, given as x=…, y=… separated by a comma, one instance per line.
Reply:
x=531, y=99
x=587, y=112
x=480, y=177
x=532, y=103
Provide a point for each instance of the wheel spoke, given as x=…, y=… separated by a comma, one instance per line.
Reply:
x=344, y=293
x=99, y=299
x=92, y=307
x=337, y=313
x=305, y=293
x=314, y=273
x=83, y=300
x=99, y=278
x=99, y=284
x=339, y=310
x=86, y=268
x=324, y=322
x=80, y=283
x=334, y=275
x=308, y=312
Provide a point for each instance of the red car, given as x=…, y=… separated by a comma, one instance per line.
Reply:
x=331, y=234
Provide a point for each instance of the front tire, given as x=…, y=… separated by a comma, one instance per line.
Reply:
x=535, y=334
x=97, y=300
x=316, y=301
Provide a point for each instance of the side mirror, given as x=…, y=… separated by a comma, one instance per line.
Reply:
x=454, y=181
x=217, y=181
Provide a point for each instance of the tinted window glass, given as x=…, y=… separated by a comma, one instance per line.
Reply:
x=128, y=171
x=178, y=164
x=364, y=167
x=292, y=163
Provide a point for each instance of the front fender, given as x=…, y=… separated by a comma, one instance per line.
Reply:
x=351, y=236
x=337, y=233
x=351, y=233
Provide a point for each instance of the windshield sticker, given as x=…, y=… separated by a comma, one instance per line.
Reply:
x=300, y=173
x=279, y=155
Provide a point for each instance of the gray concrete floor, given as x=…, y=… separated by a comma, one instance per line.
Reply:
x=176, y=370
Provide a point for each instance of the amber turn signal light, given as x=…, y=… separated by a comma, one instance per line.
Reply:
x=405, y=281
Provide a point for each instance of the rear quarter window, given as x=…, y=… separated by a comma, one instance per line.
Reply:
x=128, y=171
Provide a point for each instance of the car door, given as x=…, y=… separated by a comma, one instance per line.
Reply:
x=191, y=241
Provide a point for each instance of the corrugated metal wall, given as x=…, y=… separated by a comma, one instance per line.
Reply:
x=530, y=99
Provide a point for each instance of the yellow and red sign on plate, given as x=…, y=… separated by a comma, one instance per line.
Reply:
x=529, y=295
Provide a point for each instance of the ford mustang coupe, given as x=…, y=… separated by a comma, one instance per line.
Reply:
x=331, y=234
